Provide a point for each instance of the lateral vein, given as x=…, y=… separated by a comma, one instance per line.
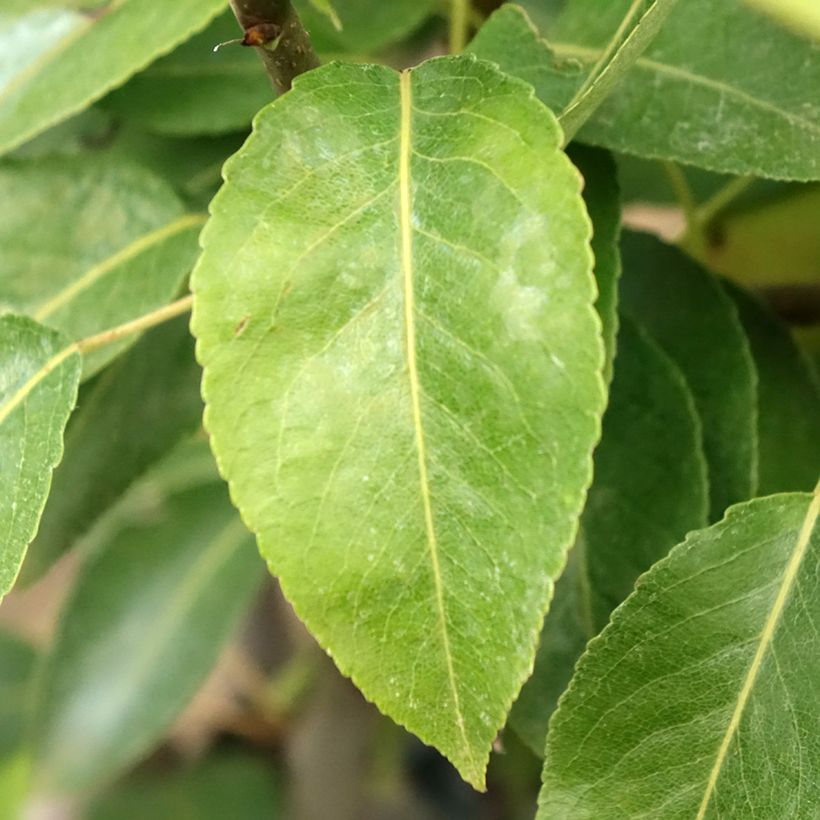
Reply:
x=406, y=223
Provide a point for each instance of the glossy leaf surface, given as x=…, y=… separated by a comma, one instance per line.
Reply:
x=689, y=314
x=402, y=377
x=89, y=244
x=159, y=600
x=195, y=90
x=153, y=389
x=39, y=374
x=59, y=57
x=650, y=489
x=744, y=104
x=700, y=698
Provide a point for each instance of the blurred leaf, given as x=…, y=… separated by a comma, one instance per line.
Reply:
x=195, y=90
x=145, y=623
x=404, y=388
x=650, y=489
x=367, y=25
x=802, y=16
x=59, y=57
x=687, y=312
x=39, y=374
x=126, y=420
x=695, y=96
x=17, y=660
x=700, y=698
x=89, y=244
x=602, y=198
x=326, y=8
x=225, y=787
x=788, y=414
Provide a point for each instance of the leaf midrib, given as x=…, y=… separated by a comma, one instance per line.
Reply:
x=766, y=639
x=406, y=227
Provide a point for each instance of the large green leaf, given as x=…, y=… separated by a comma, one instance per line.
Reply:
x=602, y=198
x=402, y=377
x=58, y=56
x=39, y=374
x=700, y=698
x=688, y=313
x=195, y=90
x=696, y=95
x=90, y=244
x=650, y=489
x=153, y=389
x=788, y=414
x=366, y=25
x=139, y=634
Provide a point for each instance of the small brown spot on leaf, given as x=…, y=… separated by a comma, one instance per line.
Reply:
x=241, y=327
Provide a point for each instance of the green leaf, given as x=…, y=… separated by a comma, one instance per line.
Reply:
x=402, y=377
x=695, y=96
x=235, y=786
x=650, y=489
x=802, y=16
x=39, y=374
x=153, y=389
x=700, y=698
x=89, y=245
x=602, y=198
x=689, y=314
x=326, y=7
x=196, y=90
x=142, y=629
x=366, y=25
x=788, y=416
x=61, y=57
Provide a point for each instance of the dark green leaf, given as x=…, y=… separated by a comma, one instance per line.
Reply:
x=402, y=372
x=700, y=698
x=650, y=489
x=688, y=313
x=142, y=629
x=39, y=374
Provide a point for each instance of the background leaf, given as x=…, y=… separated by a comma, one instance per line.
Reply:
x=159, y=601
x=802, y=16
x=650, y=489
x=89, y=244
x=700, y=699
x=403, y=387
x=39, y=374
x=60, y=57
x=688, y=313
x=195, y=90
x=695, y=96
x=153, y=389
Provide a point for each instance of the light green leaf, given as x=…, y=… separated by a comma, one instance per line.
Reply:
x=802, y=16
x=602, y=198
x=59, y=57
x=650, y=489
x=366, y=25
x=90, y=244
x=142, y=629
x=700, y=698
x=688, y=313
x=402, y=377
x=224, y=787
x=39, y=374
x=695, y=96
x=788, y=416
x=153, y=389
x=196, y=90
x=326, y=7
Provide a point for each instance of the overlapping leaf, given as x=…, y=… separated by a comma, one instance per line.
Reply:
x=402, y=373
x=744, y=104
x=39, y=374
x=687, y=312
x=700, y=698
x=650, y=489
x=58, y=57
x=143, y=628
x=89, y=244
